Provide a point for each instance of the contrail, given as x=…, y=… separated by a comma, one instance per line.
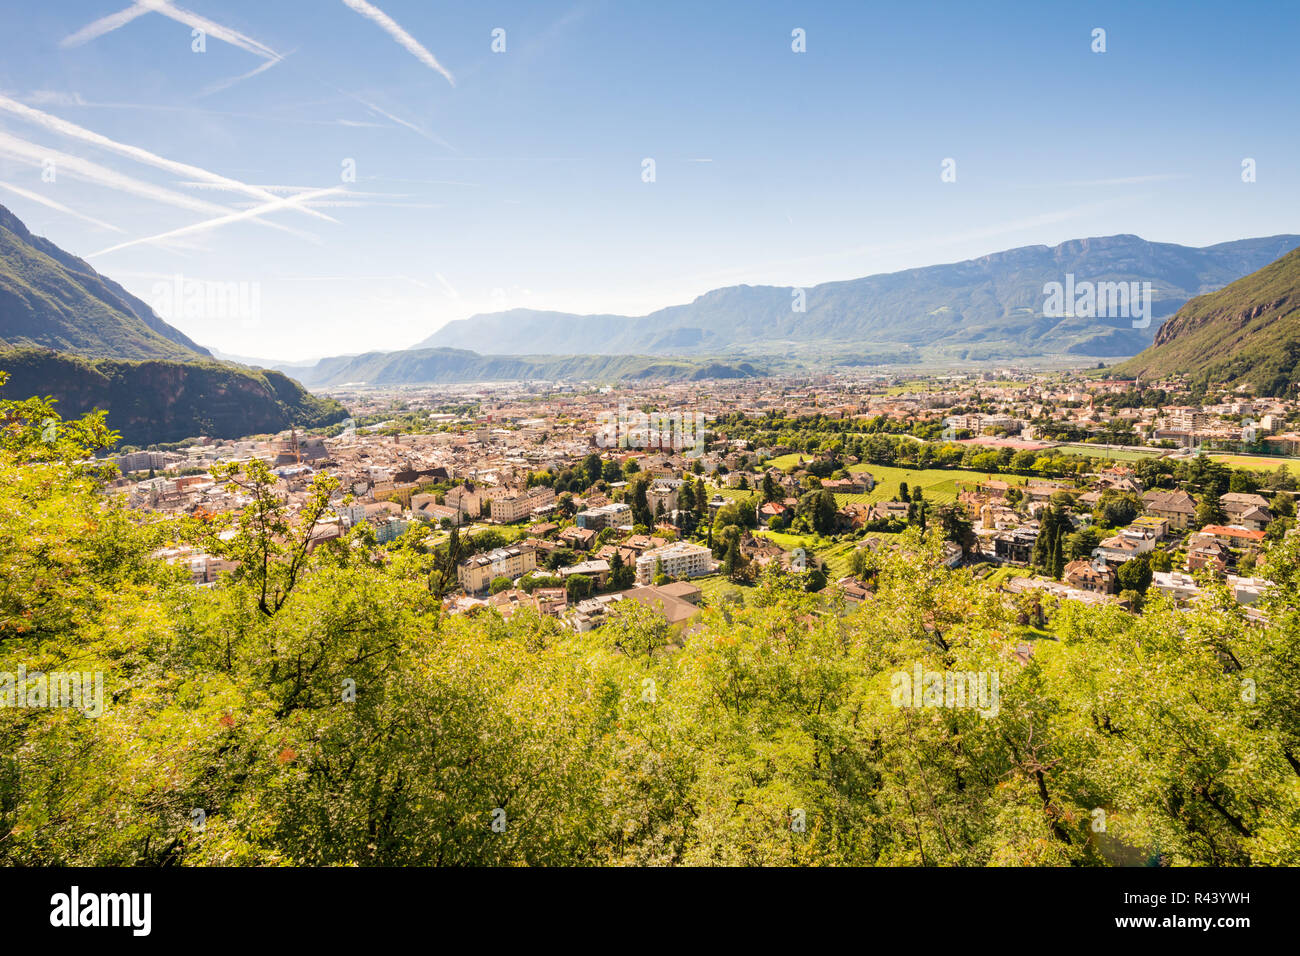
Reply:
x=85, y=169
x=286, y=202
x=431, y=137
x=390, y=26
x=234, y=80
x=63, y=127
x=120, y=19
x=104, y=25
x=46, y=201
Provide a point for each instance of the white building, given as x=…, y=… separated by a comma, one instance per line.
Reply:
x=678, y=560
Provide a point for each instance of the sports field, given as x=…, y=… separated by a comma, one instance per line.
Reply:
x=1258, y=463
x=1115, y=454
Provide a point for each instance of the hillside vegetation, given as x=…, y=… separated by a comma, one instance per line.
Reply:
x=51, y=298
x=323, y=709
x=1246, y=333
x=163, y=401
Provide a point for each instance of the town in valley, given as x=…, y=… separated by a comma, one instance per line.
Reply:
x=1059, y=485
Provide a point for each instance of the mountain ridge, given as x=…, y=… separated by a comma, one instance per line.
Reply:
x=50, y=298
x=72, y=334
x=986, y=308
x=449, y=366
x=1247, y=332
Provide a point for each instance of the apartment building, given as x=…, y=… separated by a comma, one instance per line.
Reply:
x=477, y=572
x=1177, y=507
x=1128, y=544
x=508, y=508
x=1185, y=418
x=606, y=516
x=143, y=461
x=679, y=560
x=467, y=503
x=203, y=567
x=663, y=494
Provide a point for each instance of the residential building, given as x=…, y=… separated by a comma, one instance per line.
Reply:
x=614, y=515
x=1099, y=579
x=510, y=508
x=678, y=560
x=1177, y=507
x=476, y=573
x=1233, y=535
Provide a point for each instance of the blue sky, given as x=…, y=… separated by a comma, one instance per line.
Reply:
x=492, y=180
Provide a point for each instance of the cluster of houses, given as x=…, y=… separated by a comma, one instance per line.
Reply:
x=483, y=455
x=1008, y=534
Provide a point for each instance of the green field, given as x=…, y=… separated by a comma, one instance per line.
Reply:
x=1115, y=454
x=938, y=484
x=735, y=494
x=1258, y=464
x=1000, y=575
x=784, y=462
x=786, y=540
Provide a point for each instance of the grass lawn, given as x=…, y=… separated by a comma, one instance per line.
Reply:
x=1258, y=464
x=1116, y=454
x=1030, y=634
x=786, y=461
x=938, y=484
x=718, y=588
x=737, y=494
x=787, y=540
x=834, y=554
x=1000, y=576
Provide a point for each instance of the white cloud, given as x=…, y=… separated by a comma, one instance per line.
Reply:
x=234, y=80
x=104, y=25
x=25, y=151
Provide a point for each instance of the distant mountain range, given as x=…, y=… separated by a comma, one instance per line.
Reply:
x=989, y=308
x=69, y=332
x=460, y=365
x=66, y=330
x=1247, y=332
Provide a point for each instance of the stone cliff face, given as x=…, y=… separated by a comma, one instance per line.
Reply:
x=161, y=401
x=1187, y=320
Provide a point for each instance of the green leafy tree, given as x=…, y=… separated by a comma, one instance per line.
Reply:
x=1209, y=511
x=269, y=545
x=579, y=587
x=1135, y=574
